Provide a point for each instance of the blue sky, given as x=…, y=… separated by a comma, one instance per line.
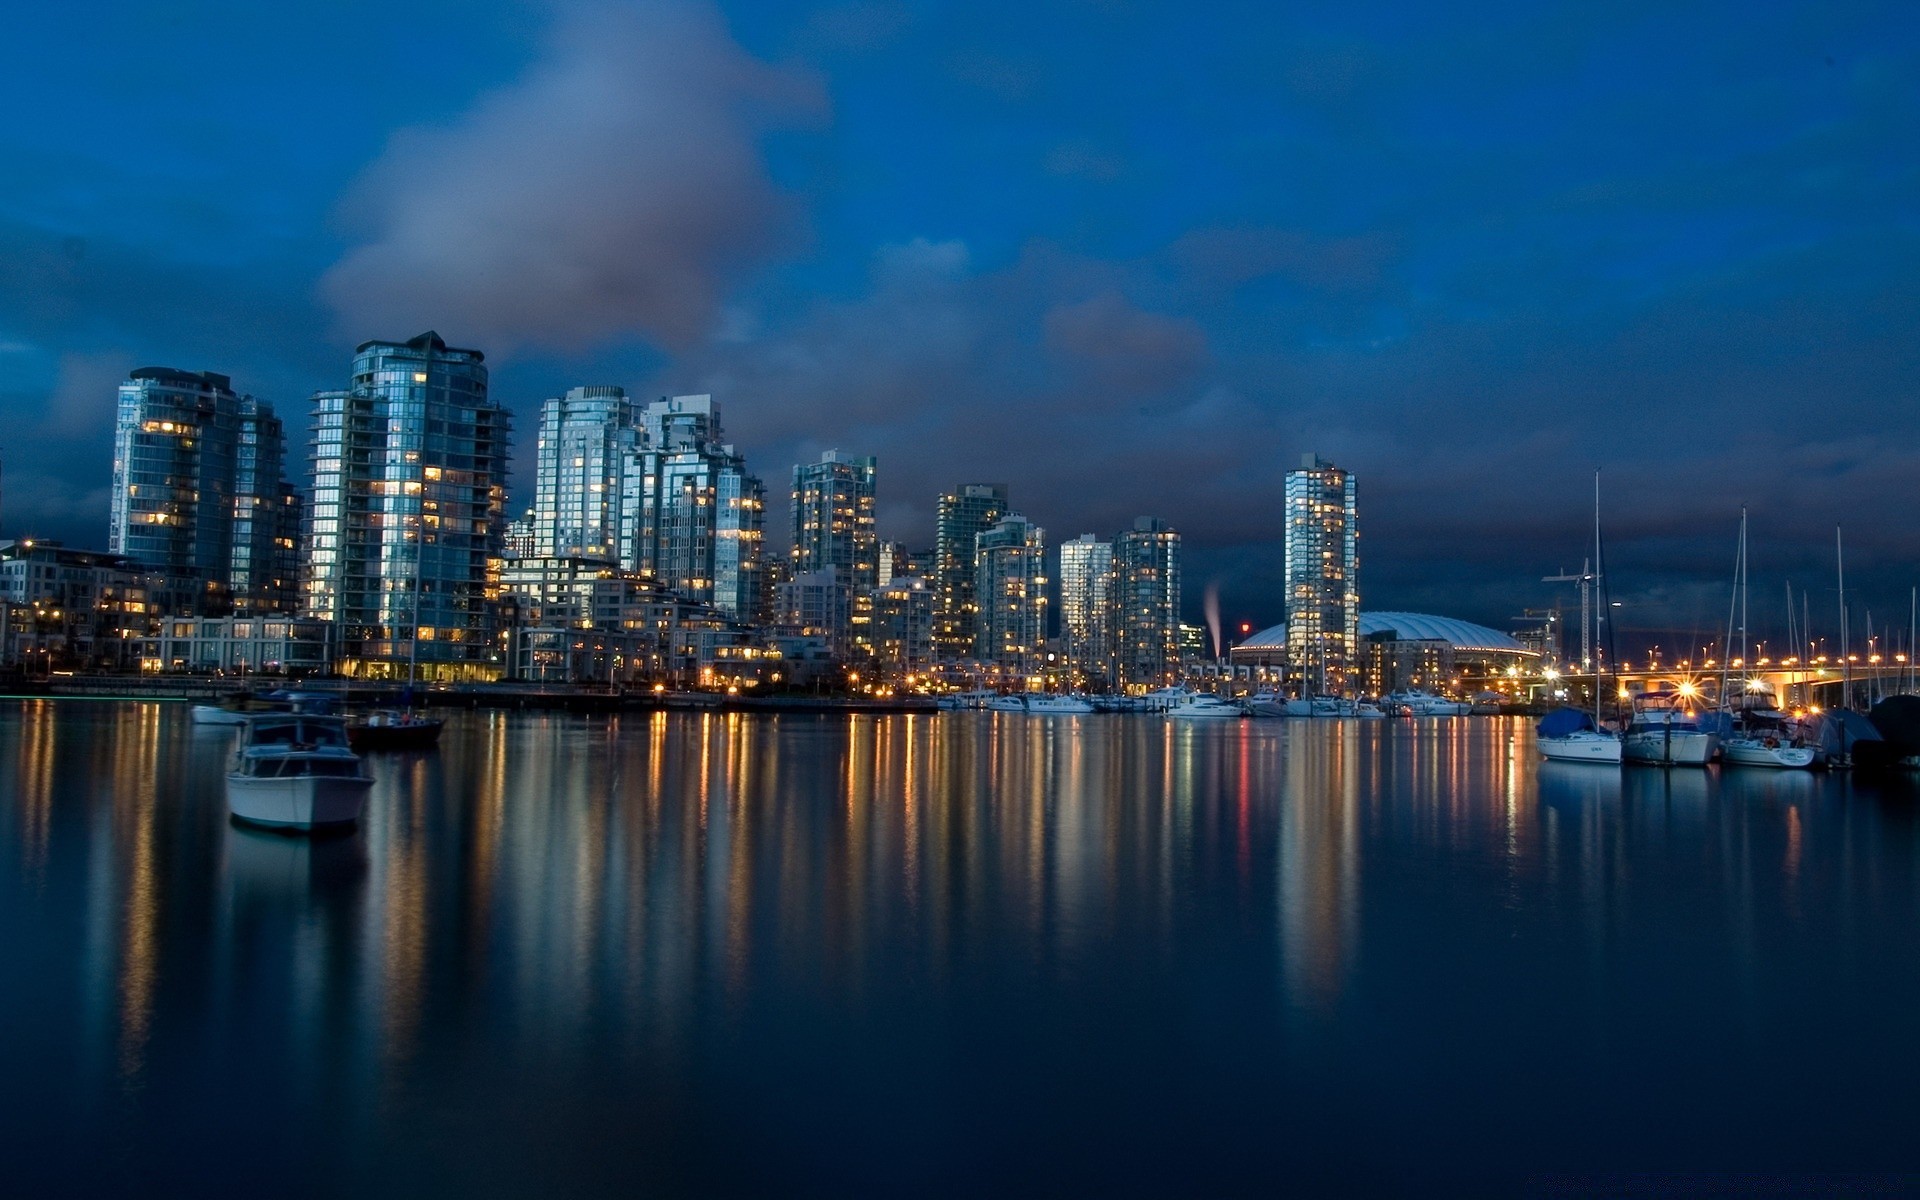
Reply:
x=1127, y=257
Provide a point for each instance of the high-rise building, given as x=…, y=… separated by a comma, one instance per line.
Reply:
x=408, y=516
x=1145, y=604
x=1322, y=567
x=199, y=489
x=964, y=514
x=589, y=439
x=1010, y=588
x=902, y=612
x=833, y=532
x=1086, y=609
x=694, y=517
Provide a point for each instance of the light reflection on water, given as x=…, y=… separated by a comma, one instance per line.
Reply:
x=707, y=952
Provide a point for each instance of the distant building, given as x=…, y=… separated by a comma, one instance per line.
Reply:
x=816, y=604
x=1406, y=650
x=896, y=562
x=833, y=532
x=200, y=490
x=1146, y=597
x=694, y=516
x=588, y=445
x=1322, y=569
x=408, y=517
x=1086, y=607
x=1010, y=587
x=902, y=635
x=69, y=608
x=964, y=514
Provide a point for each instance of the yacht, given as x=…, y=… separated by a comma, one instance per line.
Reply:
x=1571, y=735
x=1417, y=702
x=1667, y=730
x=1266, y=703
x=1763, y=736
x=296, y=771
x=964, y=700
x=1009, y=703
x=1317, y=706
x=1065, y=705
x=1206, y=708
x=1367, y=710
x=393, y=729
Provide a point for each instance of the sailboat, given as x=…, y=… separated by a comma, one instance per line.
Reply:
x=1760, y=736
x=1570, y=734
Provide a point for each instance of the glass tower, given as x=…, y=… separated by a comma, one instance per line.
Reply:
x=1322, y=567
x=408, y=517
x=589, y=442
x=1086, y=592
x=693, y=516
x=833, y=531
x=1146, y=603
x=1010, y=586
x=199, y=489
x=965, y=513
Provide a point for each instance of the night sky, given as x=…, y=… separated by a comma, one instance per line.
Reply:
x=1127, y=258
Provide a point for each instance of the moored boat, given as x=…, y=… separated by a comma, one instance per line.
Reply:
x=1667, y=731
x=1207, y=708
x=296, y=771
x=1571, y=735
x=390, y=729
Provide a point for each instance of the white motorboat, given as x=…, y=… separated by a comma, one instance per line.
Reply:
x=1367, y=710
x=1169, y=698
x=218, y=714
x=1758, y=748
x=1416, y=702
x=1062, y=705
x=1267, y=703
x=1013, y=703
x=1572, y=735
x=964, y=700
x=1206, y=708
x=296, y=771
x=1666, y=731
x=1317, y=706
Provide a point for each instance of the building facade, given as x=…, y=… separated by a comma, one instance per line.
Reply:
x=1145, y=604
x=1086, y=609
x=588, y=444
x=1322, y=576
x=1010, y=587
x=833, y=533
x=964, y=514
x=693, y=515
x=902, y=610
x=200, y=491
x=408, y=517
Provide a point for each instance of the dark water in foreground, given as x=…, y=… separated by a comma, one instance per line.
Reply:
x=962, y=954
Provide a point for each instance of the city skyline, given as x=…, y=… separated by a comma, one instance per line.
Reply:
x=1469, y=265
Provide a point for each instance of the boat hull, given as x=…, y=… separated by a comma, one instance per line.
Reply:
x=213, y=714
x=1679, y=748
x=1205, y=712
x=1742, y=752
x=297, y=802
x=409, y=735
x=1582, y=747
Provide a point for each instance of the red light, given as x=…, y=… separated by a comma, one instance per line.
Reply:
x=1245, y=628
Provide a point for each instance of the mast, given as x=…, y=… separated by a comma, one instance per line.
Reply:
x=1846, y=667
x=1733, y=601
x=1593, y=658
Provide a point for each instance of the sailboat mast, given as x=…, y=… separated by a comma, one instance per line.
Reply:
x=1846, y=668
x=1594, y=657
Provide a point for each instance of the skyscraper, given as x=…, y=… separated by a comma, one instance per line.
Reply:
x=1322, y=566
x=1146, y=603
x=409, y=487
x=589, y=439
x=966, y=512
x=1086, y=592
x=1010, y=587
x=199, y=488
x=833, y=532
x=694, y=517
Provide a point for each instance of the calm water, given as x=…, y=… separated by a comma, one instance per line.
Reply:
x=959, y=954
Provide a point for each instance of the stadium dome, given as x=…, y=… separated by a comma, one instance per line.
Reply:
x=1461, y=635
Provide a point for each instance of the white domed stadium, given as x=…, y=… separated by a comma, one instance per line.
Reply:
x=1402, y=649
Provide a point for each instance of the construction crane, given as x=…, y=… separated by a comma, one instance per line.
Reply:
x=1586, y=581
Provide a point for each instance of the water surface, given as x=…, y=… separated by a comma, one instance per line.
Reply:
x=953, y=954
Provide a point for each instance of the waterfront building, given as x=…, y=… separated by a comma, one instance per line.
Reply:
x=693, y=515
x=902, y=611
x=1086, y=608
x=1405, y=650
x=833, y=531
x=276, y=644
x=408, y=516
x=964, y=514
x=1145, y=604
x=589, y=443
x=1010, y=586
x=200, y=491
x=1322, y=568
x=69, y=608
x=816, y=604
